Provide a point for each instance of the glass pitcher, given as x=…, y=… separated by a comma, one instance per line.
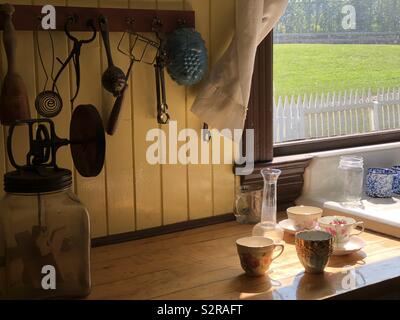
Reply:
x=268, y=226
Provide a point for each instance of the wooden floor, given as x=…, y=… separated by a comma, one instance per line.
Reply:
x=202, y=264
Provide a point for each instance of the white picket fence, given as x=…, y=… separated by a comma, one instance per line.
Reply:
x=337, y=113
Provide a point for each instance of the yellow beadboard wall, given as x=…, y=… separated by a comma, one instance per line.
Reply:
x=131, y=194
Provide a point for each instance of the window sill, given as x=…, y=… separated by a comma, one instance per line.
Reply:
x=323, y=190
x=379, y=215
x=336, y=143
x=340, y=152
x=293, y=167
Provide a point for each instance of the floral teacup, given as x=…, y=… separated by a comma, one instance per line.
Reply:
x=256, y=254
x=340, y=228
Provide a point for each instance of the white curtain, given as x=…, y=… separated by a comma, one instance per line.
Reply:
x=223, y=99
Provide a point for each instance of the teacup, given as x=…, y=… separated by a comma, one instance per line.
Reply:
x=340, y=228
x=304, y=217
x=256, y=254
x=314, y=249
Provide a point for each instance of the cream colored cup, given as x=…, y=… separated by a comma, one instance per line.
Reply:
x=304, y=217
x=256, y=254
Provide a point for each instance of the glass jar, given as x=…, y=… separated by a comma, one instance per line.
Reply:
x=351, y=175
x=44, y=237
x=248, y=204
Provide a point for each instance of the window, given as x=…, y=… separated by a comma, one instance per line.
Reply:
x=336, y=73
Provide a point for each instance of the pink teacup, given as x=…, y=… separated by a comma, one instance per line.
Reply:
x=340, y=228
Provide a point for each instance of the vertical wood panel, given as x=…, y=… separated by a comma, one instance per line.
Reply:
x=147, y=177
x=222, y=25
x=130, y=193
x=199, y=175
x=174, y=176
x=120, y=186
x=91, y=191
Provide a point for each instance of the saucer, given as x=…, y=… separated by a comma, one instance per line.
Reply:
x=353, y=245
x=289, y=227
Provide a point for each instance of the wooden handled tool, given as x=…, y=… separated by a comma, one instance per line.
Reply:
x=14, y=103
x=114, y=115
x=113, y=78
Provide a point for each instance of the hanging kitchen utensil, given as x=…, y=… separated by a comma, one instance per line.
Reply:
x=134, y=39
x=187, y=60
x=113, y=79
x=87, y=142
x=48, y=103
x=187, y=56
x=162, y=106
x=75, y=52
x=14, y=103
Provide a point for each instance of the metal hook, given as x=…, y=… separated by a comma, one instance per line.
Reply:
x=206, y=133
x=130, y=22
x=182, y=22
x=156, y=26
x=74, y=19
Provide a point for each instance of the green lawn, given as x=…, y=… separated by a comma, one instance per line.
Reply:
x=310, y=68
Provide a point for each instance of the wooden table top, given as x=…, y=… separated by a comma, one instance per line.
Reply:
x=203, y=264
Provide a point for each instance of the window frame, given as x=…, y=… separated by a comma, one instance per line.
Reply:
x=260, y=118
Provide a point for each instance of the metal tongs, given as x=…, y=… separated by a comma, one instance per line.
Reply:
x=75, y=52
x=160, y=63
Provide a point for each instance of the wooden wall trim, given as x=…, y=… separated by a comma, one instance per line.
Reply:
x=290, y=182
x=151, y=232
x=25, y=18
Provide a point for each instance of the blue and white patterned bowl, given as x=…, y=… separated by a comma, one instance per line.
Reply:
x=396, y=180
x=380, y=182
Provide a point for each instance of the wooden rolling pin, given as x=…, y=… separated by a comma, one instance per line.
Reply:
x=14, y=103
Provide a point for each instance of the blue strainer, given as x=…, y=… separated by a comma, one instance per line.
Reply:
x=187, y=56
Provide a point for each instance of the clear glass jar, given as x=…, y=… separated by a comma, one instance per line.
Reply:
x=248, y=204
x=351, y=175
x=44, y=246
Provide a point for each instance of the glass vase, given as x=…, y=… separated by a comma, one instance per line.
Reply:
x=268, y=227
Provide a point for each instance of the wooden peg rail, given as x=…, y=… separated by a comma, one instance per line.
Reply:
x=26, y=18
